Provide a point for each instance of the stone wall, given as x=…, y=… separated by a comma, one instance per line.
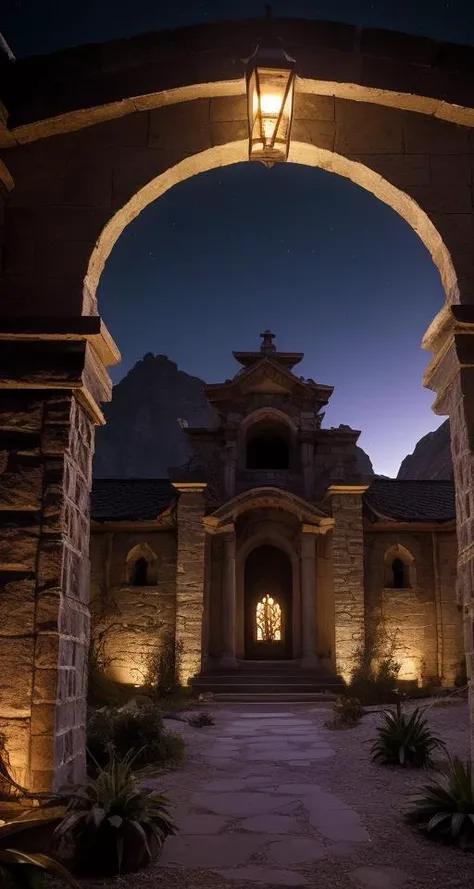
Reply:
x=132, y=625
x=420, y=624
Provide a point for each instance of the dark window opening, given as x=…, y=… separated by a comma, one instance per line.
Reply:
x=140, y=572
x=267, y=451
x=399, y=572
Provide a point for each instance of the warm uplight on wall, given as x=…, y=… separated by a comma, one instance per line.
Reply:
x=409, y=669
x=270, y=80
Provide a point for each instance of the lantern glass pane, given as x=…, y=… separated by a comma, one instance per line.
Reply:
x=270, y=105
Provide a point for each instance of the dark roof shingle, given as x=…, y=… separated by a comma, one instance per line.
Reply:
x=136, y=499
x=411, y=501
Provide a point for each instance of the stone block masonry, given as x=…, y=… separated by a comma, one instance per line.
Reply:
x=189, y=580
x=348, y=575
x=44, y=619
x=47, y=415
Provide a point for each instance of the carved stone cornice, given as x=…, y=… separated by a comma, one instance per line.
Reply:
x=450, y=337
x=59, y=353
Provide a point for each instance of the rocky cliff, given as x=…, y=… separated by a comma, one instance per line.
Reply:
x=144, y=434
x=144, y=431
x=431, y=458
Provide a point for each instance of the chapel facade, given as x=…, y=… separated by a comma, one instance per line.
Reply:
x=268, y=546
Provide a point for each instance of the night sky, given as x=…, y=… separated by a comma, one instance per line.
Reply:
x=334, y=272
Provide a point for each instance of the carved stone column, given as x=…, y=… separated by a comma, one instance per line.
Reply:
x=451, y=375
x=190, y=579
x=228, y=658
x=348, y=574
x=52, y=378
x=308, y=596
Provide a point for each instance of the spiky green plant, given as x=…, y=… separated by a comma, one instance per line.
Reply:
x=405, y=740
x=23, y=869
x=444, y=808
x=114, y=825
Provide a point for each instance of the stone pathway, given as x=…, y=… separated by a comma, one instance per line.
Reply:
x=253, y=817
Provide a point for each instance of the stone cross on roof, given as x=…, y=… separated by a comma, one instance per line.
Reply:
x=267, y=342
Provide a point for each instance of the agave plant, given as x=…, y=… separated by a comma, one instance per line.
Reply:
x=23, y=869
x=111, y=823
x=445, y=807
x=405, y=740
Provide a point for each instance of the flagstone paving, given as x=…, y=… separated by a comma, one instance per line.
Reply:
x=258, y=827
x=271, y=797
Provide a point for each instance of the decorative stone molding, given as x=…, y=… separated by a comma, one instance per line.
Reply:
x=59, y=353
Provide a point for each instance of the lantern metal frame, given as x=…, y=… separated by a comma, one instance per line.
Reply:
x=269, y=61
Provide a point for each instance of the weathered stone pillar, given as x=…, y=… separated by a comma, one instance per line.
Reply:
x=348, y=574
x=52, y=379
x=308, y=596
x=451, y=375
x=190, y=580
x=228, y=658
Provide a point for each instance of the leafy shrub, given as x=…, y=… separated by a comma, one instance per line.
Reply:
x=199, y=720
x=163, y=666
x=404, y=740
x=347, y=713
x=101, y=691
x=375, y=682
x=112, y=825
x=444, y=808
x=139, y=730
x=24, y=869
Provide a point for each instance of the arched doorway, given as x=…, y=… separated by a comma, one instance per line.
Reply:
x=268, y=604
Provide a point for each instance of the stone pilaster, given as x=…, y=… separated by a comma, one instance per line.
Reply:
x=306, y=438
x=230, y=468
x=308, y=596
x=51, y=379
x=348, y=574
x=451, y=375
x=190, y=579
x=228, y=658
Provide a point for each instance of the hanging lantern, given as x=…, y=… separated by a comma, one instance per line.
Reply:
x=270, y=94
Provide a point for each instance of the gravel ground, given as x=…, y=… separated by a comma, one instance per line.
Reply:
x=377, y=793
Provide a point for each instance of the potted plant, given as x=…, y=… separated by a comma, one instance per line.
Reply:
x=111, y=824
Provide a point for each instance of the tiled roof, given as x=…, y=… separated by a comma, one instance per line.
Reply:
x=144, y=499
x=136, y=499
x=411, y=501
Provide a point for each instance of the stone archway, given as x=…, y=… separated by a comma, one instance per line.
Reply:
x=127, y=123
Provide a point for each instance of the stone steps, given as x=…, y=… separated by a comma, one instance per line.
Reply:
x=274, y=697
x=268, y=681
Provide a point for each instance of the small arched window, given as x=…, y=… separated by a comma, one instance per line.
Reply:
x=142, y=566
x=398, y=574
x=267, y=446
x=140, y=572
x=399, y=568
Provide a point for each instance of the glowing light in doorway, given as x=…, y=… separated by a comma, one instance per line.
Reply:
x=268, y=620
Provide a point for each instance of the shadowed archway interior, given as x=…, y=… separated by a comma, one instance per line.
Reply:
x=268, y=604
